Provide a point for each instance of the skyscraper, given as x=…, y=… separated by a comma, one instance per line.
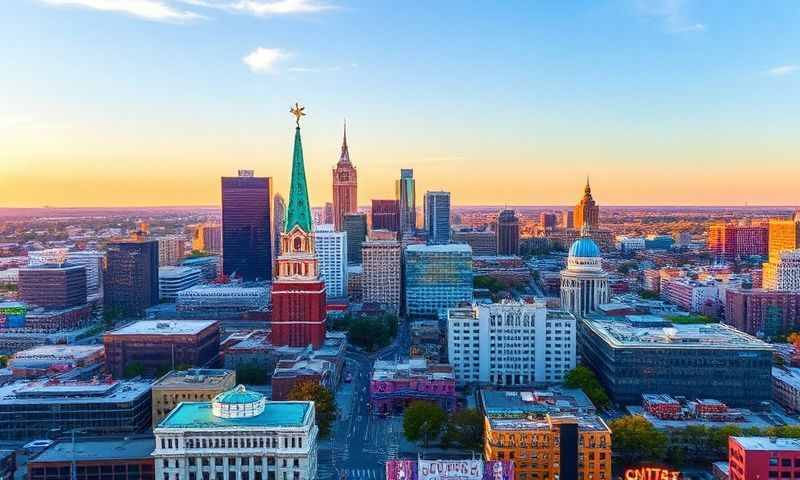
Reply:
x=331, y=249
x=130, y=282
x=587, y=211
x=355, y=224
x=345, y=186
x=406, y=196
x=437, y=217
x=382, y=265
x=246, y=240
x=547, y=221
x=386, y=215
x=437, y=277
x=54, y=286
x=567, y=219
x=507, y=233
x=298, y=294
x=783, y=235
x=278, y=220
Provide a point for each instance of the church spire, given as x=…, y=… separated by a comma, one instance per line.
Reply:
x=298, y=212
x=588, y=189
x=344, y=157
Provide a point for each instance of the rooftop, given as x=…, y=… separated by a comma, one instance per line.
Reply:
x=58, y=351
x=499, y=404
x=452, y=247
x=768, y=443
x=275, y=414
x=164, y=327
x=789, y=376
x=709, y=335
x=584, y=422
x=415, y=367
x=93, y=449
x=195, y=379
x=71, y=392
x=176, y=272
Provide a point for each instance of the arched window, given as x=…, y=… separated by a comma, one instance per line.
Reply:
x=298, y=244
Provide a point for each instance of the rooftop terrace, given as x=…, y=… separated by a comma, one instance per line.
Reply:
x=276, y=414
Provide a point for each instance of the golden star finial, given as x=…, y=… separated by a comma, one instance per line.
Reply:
x=298, y=112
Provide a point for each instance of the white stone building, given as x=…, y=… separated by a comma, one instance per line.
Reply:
x=239, y=435
x=331, y=251
x=381, y=259
x=584, y=284
x=510, y=343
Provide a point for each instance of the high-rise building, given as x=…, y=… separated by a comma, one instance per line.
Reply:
x=246, y=223
x=298, y=294
x=171, y=249
x=238, y=435
x=381, y=277
x=94, y=262
x=437, y=217
x=765, y=313
x=405, y=192
x=587, y=212
x=507, y=233
x=355, y=225
x=331, y=249
x=207, y=237
x=53, y=286
x=567, y=219
x=584, y=284
x=345, y=186
x=437, y=277
x=130, y=282
x=327, y=215
x=548, y=221
x=783, y=235
x=730, y=241
x=386, y=215
x=482, y=242
x=510, y=343
x=278, y=220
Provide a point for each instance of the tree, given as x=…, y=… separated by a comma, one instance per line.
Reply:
x=133, y=369
x=649, y=295
x=3, y=361
x=251, y=374
x=637, y=440
x=324, y=403
x=465, y=427
x=585, y=379
x=423, y=421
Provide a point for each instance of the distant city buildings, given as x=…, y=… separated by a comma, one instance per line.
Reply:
x=788, y=271
x=278, y=221
x=246, y=223
x=437, y=277
x=94, y=262
x=345, y=187
x=171, y=249
x=239, y=434
x=437, y=217
x=386, y=215
x=405, y=192
x=548, y=221
x=510, y=343
x=587, y=212
x=764, y=313
x=482, y=242
x=507, y=233
x=381, y=275
x=207, y=237
x=331, y=249
x=731, y=241
x=130, y=282
x=355, y=225
x=783, y=235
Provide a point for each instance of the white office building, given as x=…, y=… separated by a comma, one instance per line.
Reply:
x=94, y=262
x=171, y=248
x=510, y=343
x=172, y=280
x=239, y=435
x=331, y=251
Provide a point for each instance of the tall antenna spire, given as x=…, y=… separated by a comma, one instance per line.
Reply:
x=588, y=189
x=344, y=157
x=344, y=137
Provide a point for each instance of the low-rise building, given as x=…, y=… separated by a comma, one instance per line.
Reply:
x=172, y=280
x=32, y=410
x=396, y=384
x=761, y=312
x=763, y=457
x=46, y=359
x=786, y=387
x=155, y=345
x=304, y=368
x=195, y=384
x=223, y=301
x=510, y=343
x=107, y=458
x=238, y=435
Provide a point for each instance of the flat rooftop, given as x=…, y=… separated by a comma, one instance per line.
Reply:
x=718, y=336
x=176, y=272
x=275, y=414
x=789, y=376
x=39, y=392
x=448, y=248
x=164, y=327
x=768, y=443
x=496, y=403
x=194, y=379
x=58, y=351
x=584, y=422
x=94, y=449
x=774, y=418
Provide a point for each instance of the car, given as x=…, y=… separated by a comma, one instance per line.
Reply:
x=36, y=446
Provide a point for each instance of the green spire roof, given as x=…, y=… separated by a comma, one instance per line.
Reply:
x=298, y=212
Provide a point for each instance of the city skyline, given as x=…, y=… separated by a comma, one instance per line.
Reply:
x=151, y=106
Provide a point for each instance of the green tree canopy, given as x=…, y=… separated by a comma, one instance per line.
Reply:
x=465, y=428
x=324, y=403
x=636, y=440
x=423, y=421
x=133, y=369
x=584, y=378
x=251, y=374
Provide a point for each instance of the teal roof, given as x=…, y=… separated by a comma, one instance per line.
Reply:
x=199, y=415
x=298, y=212
x=238, y=395
x=584, y=247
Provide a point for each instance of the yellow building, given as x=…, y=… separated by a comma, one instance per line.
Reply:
x=194, y=385
x=783, y=235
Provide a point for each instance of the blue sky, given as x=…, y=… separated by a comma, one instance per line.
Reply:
x=662, y=101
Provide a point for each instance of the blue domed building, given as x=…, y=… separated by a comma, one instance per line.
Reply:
x=584, y=284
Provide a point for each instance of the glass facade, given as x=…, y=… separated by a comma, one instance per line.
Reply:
x=130, y=281
x=437, y=277
x=246, y=224
x=406, y=196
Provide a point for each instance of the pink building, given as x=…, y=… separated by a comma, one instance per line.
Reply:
x=395, y=385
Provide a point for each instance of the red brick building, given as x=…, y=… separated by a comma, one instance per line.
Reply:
x=729, y=241
x=289, y=373
x=157, y=345
x=763, y=457
x=762, y=312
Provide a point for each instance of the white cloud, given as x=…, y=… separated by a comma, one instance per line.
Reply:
x=262, y=60
x=263, y=7
x=155, y=10
x=783, y=70
x=672, y=12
